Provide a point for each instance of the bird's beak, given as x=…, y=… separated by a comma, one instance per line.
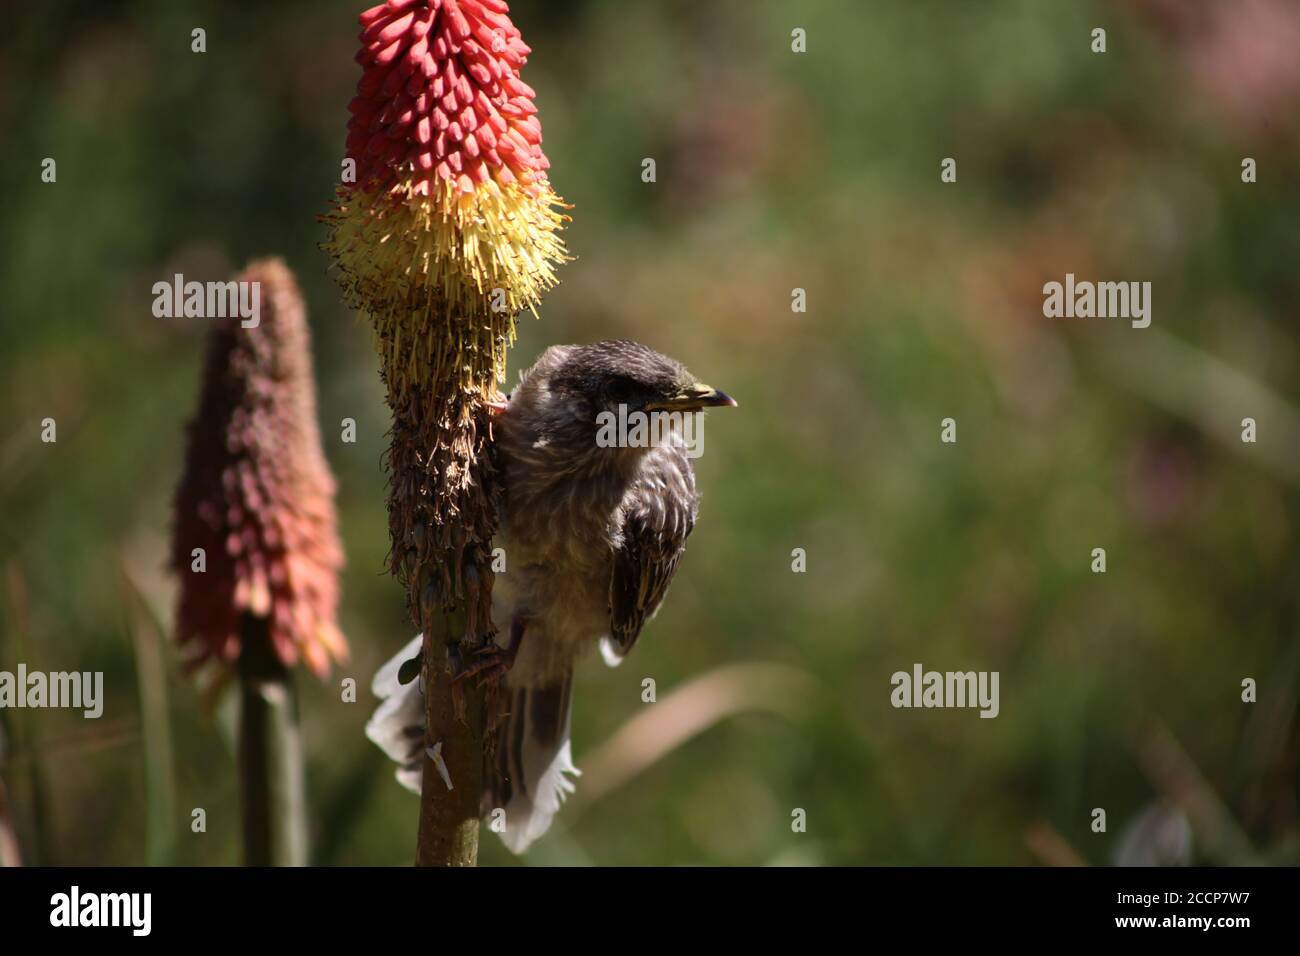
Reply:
x=692, y=398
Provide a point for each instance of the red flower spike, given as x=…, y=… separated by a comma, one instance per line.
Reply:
x=257, y=494
x=450, y=66
x=448, y=230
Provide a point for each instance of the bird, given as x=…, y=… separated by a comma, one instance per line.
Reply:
x=592, y=530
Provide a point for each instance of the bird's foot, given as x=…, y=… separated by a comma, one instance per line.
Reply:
x=487, y=667
x=490, y=664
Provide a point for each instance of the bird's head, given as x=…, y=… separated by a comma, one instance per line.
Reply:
x=562, y=398
x=606, y=375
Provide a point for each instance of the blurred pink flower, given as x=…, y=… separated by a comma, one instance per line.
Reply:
x=1243, y=56
x=257, y=494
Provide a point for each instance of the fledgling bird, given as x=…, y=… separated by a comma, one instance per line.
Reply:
x=592, y=532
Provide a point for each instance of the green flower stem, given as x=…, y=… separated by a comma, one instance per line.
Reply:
x=270, y=755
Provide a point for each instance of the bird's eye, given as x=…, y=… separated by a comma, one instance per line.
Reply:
x=621, y=391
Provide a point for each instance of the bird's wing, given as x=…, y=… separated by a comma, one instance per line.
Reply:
x=658, y=515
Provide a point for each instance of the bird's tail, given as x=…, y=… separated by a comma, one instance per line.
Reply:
x=527, y=776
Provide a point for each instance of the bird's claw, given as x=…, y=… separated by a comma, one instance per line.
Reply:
x=491, y=664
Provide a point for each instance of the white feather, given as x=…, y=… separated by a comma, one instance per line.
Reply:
x=402, y=707
x=610, y=653
x=527, y=820
x=385, y=682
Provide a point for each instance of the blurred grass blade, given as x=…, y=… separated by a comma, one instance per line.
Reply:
x=687, y=711
x=1053, y=849
x=24, y=745
x=146, y=632
x=1175, y=775
x=1209, y=393
x=9, y=853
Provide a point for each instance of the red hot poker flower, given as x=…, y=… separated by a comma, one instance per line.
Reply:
x=257, y=494
x=449, y=229
x=441, y=91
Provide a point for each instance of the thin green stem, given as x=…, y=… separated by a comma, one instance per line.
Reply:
x=270, y=755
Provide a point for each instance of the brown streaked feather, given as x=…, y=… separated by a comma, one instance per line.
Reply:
x=659, y=513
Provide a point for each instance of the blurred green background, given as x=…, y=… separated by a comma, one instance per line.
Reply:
x=776, y=171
